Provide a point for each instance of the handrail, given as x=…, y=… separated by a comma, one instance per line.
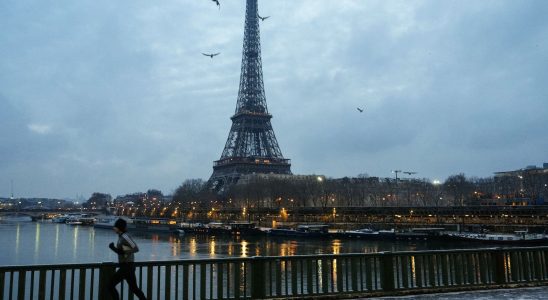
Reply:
x=302, y=276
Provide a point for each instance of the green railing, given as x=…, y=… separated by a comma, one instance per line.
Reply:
x=342, y=275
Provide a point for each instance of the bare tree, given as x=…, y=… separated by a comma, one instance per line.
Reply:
x=459, y=188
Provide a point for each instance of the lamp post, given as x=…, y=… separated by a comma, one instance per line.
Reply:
x=323, y=193
x=437, y=197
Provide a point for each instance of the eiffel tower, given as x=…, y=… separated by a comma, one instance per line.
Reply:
x=251, y=146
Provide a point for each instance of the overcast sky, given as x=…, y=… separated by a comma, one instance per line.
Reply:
x=115, y=97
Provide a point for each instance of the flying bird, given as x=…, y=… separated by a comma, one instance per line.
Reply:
x=359, y=109
x=212, y=54
x=263, y=18
x=217, y=2
x=409, y=173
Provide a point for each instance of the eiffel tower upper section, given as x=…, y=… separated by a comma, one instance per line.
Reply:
x=251, y=146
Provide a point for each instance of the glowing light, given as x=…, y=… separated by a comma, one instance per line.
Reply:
x=193, y=247
x=37, y=241
x=244, y=249
x=212, y=247
x=17, y=236
x=336, y=246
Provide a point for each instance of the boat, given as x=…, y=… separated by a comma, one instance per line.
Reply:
x=107, y=222
x=244, y=228
x=369, y=233
x=420, y=234
x=157, y=225
x=59, y=219
x=217, y=228
x=87, y=220
x=311, y=230
x=518, y=237
x=73, y=222
x=80, y=219
x=197, y=228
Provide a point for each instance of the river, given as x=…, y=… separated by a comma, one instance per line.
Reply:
x=29, y=243
x=36, y=243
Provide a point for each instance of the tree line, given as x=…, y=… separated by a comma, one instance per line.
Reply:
x=361, y=191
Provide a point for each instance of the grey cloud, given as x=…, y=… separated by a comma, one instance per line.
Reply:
x=448, y=87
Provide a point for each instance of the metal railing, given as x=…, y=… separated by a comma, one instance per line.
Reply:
x=341, y=275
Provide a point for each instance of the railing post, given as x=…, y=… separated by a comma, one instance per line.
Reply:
x=387, y=271
x=500, y=269
x=21, y=289
x=106, y=270
x=258, y=278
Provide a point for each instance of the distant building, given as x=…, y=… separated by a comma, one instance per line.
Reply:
x=527, y=186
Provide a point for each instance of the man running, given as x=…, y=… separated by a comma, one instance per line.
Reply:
x=125, y=248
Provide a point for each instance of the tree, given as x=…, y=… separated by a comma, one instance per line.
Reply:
x=459, y=188
x=152, y=193
x=189, y=193
x=98, y=201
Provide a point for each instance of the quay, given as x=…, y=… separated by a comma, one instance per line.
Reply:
x=505, y=217
x=336, y=276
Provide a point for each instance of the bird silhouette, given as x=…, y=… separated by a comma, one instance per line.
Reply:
x=217, y=2
x=263, y=18
x=409, y=173
x=359, y=109
x=212, y=54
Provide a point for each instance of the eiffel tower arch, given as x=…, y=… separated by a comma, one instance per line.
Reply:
x=251, y=146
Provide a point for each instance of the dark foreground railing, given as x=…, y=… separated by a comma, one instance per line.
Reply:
x=341, y=275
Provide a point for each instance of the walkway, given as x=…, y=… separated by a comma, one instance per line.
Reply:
x=533, y=293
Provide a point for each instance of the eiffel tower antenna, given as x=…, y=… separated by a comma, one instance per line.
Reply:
x=251, y=146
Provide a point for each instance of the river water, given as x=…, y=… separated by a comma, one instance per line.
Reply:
x=36, y=243
x=28, y=243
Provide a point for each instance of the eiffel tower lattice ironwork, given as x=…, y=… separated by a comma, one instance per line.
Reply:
x=251, y=146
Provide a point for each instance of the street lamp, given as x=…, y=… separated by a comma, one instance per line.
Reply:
x=324, y=194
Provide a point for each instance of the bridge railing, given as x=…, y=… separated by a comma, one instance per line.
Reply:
x=341, y=275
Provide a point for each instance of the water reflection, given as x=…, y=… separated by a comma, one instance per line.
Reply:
x=230, y=249
x=336, y=246
x=175, y=246
x=413, y=269
x=244, y=249
x=288, y=248
x=212, y=247
x=75, y=241
x=56, y=249
x=257, y=250
x=193, y=249
x=37, y=241
x=17, y=238
x=91, y=240
x=320, y=272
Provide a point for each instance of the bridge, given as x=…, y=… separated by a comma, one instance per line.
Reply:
x=304, y=277
x=38, y=214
